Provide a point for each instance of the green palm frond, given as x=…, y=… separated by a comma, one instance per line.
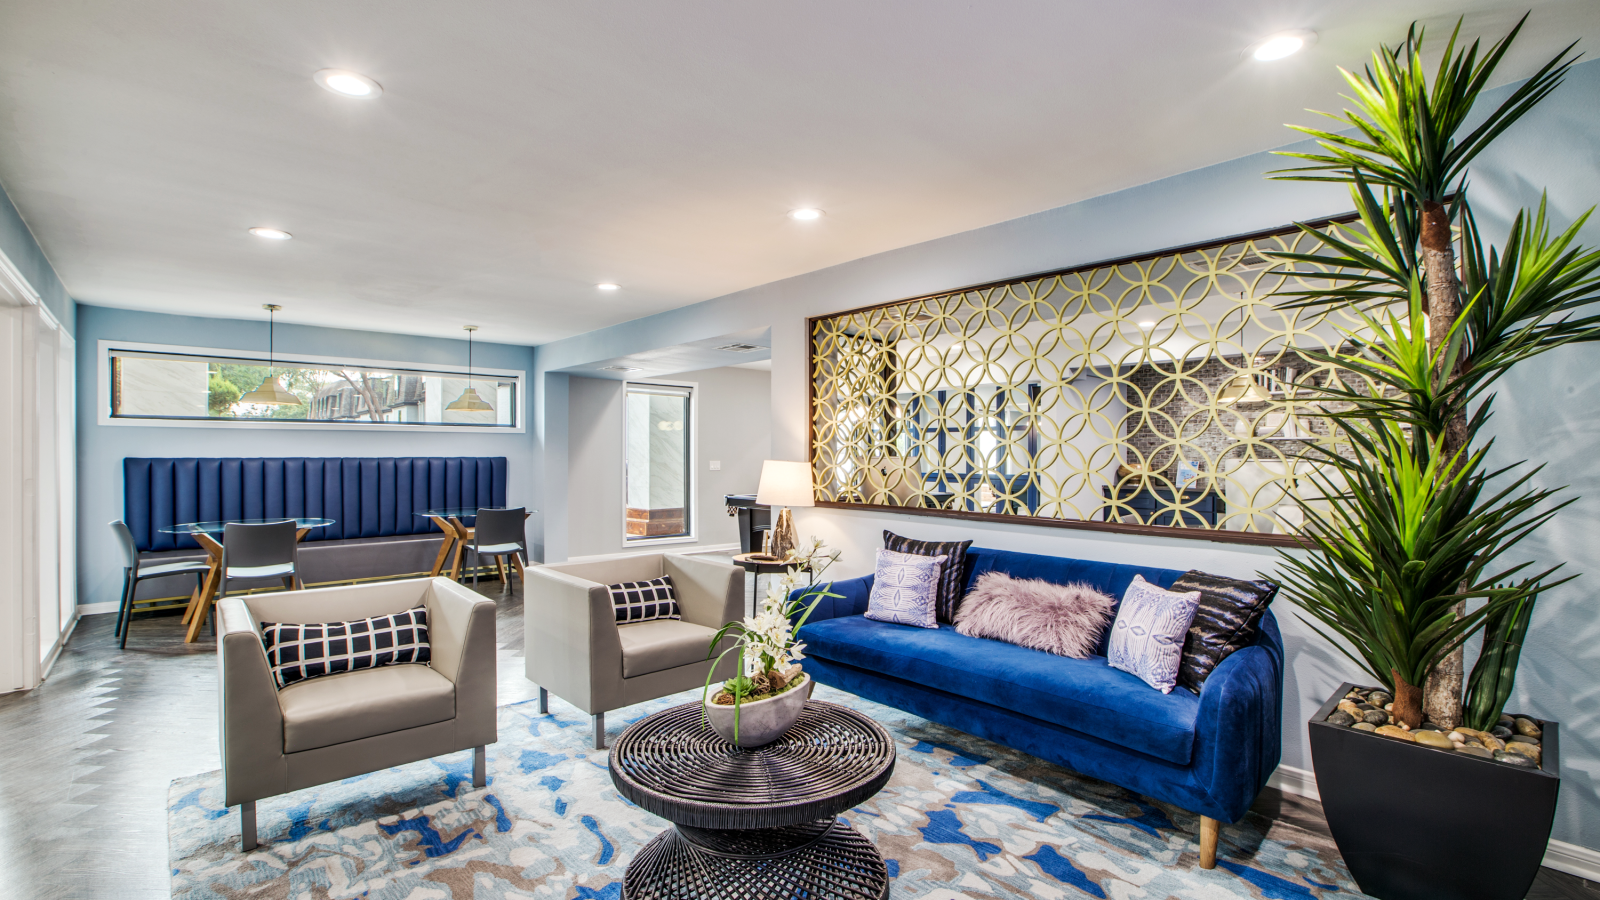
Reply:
x=1406, y=128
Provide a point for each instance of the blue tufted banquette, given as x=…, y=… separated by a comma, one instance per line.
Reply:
x=368, y=496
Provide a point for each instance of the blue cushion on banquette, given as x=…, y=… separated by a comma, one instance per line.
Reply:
x=1085, y=695
x=366, y=496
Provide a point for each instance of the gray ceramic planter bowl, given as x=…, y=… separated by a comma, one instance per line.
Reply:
x=761, y=722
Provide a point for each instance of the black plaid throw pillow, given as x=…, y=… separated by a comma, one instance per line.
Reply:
x=642, y=601
x=297, y=652
x=952, y=578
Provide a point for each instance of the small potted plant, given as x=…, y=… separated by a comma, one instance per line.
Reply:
x=760, y=704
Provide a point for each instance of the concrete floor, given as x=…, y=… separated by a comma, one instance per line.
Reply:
x=88, y=756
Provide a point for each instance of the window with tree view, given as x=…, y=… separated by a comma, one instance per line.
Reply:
x=151, y=385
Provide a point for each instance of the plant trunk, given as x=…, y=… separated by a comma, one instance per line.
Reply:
x=1407, y=701
x=1442, y=702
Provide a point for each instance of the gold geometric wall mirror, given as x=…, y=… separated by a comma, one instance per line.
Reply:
x=1161, y=393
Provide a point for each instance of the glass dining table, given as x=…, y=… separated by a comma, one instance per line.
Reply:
x=457, y=535
x=201, y=601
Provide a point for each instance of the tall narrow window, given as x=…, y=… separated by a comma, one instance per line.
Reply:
x=659, y=461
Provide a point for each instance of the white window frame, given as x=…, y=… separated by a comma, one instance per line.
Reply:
x=103, y=391
x=694, y=470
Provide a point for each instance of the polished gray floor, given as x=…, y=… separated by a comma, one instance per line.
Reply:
x=85, y=760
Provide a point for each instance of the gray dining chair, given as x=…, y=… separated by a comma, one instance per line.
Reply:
x=135, y=570
x=498, y=534
x=261, y=551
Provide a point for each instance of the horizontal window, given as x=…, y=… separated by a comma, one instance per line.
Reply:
x=177, y=386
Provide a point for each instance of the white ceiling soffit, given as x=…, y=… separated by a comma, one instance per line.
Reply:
x=521, y=153
x=694, y=356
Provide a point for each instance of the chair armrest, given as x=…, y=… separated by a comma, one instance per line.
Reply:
x=461, y=632
x=571, y=646
x=709, y=593
x=852, y=602
x=251, y=726
x=1239, y=728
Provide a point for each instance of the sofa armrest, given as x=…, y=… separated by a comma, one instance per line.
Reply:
x=251, y=722
x=709, y=593
x=1239, y=728
x=851, y=602
x=571, y=645
x=461, y=631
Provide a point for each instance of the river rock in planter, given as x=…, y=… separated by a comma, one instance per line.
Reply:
x=1501, y=732
x=1340, y=717
x=1395, y=731
x=1364, y=726
x=1521, y=739
x=1433, y=739
x=1515, y=759
x=1531, y=751
x=1508, y=720
x=1379, y=698
x=1375, y=717
x=1471, y=750
x=1528, y=727
x=1429, y=726
x=1491, y=742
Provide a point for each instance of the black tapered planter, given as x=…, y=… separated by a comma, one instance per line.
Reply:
x=1415, y=822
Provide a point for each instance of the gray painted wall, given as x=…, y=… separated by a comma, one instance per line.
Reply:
x=1547, y=411
x=101, y=448
x=17, y=242
x=732, y=419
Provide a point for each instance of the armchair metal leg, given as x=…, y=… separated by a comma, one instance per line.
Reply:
x=599, y=731
x=480, y=766
x=1208, y=842
x=125, y=613
x=247, y=826
x=544, y=702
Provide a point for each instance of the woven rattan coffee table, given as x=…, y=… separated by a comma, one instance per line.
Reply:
x=754, y=824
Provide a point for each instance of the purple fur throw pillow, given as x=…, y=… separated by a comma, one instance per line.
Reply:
x=1064, y=619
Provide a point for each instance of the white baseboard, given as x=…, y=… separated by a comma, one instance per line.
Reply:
x=1294, y=781
x=95, y=609
x=1573, y=860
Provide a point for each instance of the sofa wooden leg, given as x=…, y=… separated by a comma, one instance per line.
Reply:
x=480, y=766
x=544, y=702
x=1208, y=842
x=247, y=826
x=599, y=731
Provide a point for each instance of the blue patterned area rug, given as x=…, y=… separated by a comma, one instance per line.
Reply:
x=961, y=818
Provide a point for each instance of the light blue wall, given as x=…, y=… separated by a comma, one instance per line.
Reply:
x=1547, y=412
x=17, y=242
x=101, y=448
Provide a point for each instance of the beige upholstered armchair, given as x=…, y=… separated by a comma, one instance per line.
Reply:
x=575, y=648
x=336, y=726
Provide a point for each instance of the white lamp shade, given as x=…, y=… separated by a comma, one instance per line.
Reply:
x=785, y=483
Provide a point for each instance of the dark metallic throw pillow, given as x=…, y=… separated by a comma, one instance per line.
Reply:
x=1224, y=622
x=952, y=579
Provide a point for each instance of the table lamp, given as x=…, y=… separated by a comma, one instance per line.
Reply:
x=785, y=484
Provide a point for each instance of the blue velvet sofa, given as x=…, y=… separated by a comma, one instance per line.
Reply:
x=1209, y=754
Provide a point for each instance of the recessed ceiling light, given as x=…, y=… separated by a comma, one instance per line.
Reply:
x=805, y=215
x=271, y=234
x=1147, y=324
x=1284, y=43
x=608, y=286
x=348, y=84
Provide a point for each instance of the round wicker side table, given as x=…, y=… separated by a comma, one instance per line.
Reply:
x=757, y=824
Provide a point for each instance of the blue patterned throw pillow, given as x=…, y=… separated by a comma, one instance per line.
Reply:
x=905, y=589
x=1147, y=639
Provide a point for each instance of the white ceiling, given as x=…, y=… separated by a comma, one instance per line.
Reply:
x=522, y=152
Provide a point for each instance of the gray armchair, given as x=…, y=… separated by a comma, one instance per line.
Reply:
x=337, y=726
x=575, y=649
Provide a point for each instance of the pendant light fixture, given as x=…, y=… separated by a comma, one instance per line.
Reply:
x=270, y=393
x=469, y=401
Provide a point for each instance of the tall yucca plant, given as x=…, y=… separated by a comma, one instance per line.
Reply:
x=1406, y=164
